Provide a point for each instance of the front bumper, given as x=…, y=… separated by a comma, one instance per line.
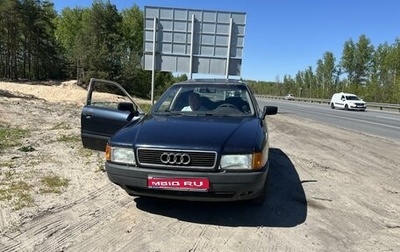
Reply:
x=224, y=186
x=357, y=107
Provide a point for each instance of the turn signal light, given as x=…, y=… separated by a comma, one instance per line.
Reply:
x=258, y=161
x=108, y=152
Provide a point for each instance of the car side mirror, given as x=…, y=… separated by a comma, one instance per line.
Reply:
x=132, y=115
x=127, y=106
x=269, y=110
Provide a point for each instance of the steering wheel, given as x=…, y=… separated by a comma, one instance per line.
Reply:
x=227, y=105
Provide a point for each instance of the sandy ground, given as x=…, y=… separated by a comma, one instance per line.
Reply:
x=330, y=190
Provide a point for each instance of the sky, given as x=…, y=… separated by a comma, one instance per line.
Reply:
x=283, y=37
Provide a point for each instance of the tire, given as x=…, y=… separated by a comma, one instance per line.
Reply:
x=346, y=107
x=332, y=105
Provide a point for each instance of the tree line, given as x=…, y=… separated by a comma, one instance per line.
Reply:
x=37, y=43
x=28, y=47
x=372, y=73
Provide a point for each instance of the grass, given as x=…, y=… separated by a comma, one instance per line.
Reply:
x=10, y=137
x=19, y=193
x=6, y=164
x=5, y=195
x=24, y=200
x=83, y=152
x=53, y=184
x=61, y=125
x=69, y=138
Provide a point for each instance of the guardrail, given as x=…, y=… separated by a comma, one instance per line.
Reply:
x=380, y=106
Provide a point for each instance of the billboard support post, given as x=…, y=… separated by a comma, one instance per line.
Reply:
x=228, y=54
x=191, y=49
x=153, y=69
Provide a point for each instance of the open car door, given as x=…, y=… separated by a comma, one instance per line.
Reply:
x=108, y=108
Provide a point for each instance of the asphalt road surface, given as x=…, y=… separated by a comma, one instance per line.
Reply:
x=375, y=122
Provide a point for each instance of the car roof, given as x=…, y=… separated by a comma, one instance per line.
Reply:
x=213, y=81
x=342, y=93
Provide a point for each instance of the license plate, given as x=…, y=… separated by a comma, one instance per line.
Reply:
x=185, y=184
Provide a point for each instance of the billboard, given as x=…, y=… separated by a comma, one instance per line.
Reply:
x=193, y=41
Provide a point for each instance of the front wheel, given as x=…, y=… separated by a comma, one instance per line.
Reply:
x=346, y=107
x=332, y=105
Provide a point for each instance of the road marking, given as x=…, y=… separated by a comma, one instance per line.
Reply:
x=364, y=121
x=388, y=118
x=348, y=118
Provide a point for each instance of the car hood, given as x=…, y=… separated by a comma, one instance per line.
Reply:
x=230, y=134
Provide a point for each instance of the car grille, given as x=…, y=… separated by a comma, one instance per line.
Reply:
x=198, y=159
x=360, y=104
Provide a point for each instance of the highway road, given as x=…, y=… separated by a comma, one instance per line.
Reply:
x=373, y=122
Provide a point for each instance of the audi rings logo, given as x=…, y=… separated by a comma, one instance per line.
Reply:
x=175, y=158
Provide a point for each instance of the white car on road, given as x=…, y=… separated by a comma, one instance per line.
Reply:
x=347, y=101
x=289, y=97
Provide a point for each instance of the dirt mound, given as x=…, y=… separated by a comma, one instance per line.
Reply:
x=65, y=92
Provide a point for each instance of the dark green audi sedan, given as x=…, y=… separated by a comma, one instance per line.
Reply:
x=203, y=140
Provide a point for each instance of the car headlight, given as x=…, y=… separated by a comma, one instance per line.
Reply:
x=120, y=155
x=236, y=162
x=255, y=161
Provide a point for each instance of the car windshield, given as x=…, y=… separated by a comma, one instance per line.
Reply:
x=352, y=98
x=209, y=100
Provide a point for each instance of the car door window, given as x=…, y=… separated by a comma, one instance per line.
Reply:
x=106, y=96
